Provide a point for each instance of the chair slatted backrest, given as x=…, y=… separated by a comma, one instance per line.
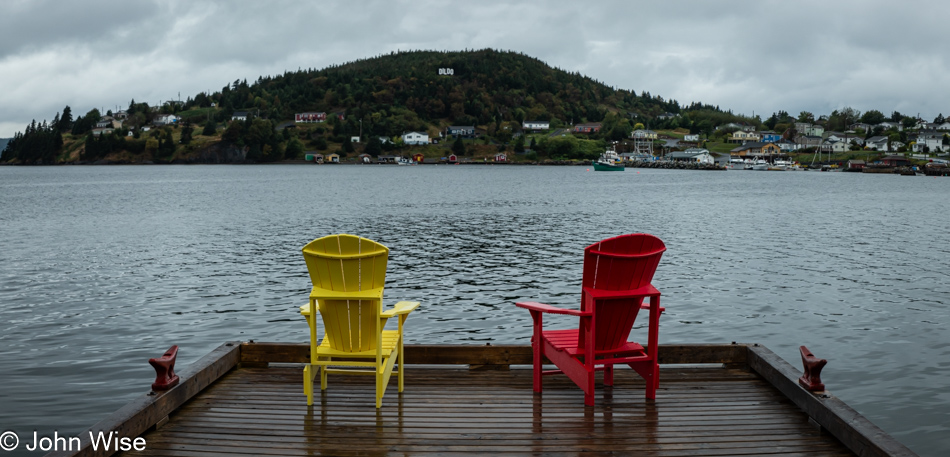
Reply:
x=348, y=263
x=625, y=262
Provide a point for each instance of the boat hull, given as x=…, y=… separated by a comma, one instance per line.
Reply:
x=605, y=167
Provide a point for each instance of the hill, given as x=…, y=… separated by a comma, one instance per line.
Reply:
x=384, y=96
x=404, y=89
x=3, y=145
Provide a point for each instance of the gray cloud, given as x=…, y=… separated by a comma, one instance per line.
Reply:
x=747, y=56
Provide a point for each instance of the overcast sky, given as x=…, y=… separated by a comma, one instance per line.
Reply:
x=749, y=56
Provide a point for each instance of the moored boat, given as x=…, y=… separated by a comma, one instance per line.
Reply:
x=608, y=161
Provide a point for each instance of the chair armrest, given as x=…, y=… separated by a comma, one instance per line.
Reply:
x=541, y=307
x=645, y=291
x=305, y=309
x=403, y=307
x=324, y=294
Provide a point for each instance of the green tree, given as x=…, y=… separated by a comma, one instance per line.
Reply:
x=186, y=133
x=210, y=128
x=320, y=143
x=294, y=149
x=374, y=147
x=519, y=144
x=458, y=147
x=873, y=117
x=347, y=145
x=90, y=150
x=65, y=121
x=806, y=116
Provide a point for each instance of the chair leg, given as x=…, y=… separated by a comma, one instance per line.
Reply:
x=654, y=382
x=323, y=376
x=308, y=383
x=589, y=391
x=609, y=375
x=379, y=389
x=537, y=366
x=399, y=364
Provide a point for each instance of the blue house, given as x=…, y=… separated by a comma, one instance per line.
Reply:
x=463, y=130
x=770, y=137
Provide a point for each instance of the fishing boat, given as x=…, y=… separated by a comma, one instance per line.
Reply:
x=757, y=164
x=787, y=165
x=608, y=161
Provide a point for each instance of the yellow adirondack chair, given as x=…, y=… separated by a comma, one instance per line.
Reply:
x=348, y=273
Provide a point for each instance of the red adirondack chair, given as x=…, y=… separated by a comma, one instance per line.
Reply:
x=617, y=275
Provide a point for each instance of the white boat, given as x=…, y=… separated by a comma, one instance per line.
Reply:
x=757, y=164
x=404, y=161
x=609, y=161
x=787, y=164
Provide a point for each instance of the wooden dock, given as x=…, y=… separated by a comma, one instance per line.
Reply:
x=714, y=400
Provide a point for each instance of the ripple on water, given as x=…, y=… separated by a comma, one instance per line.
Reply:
x=105, y=267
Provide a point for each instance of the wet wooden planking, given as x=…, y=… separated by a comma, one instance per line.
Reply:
x=445, y=411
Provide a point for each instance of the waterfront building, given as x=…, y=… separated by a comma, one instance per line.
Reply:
x=756, y=149
x=415, y=138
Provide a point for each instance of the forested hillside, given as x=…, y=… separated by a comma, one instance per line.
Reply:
x=384, y=96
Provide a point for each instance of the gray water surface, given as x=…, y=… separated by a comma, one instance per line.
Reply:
x=102, y=268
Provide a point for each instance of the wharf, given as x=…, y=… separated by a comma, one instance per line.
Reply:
x=713, y=400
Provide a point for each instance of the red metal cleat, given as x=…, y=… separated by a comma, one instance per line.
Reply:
x=811, y=380
x=165, y=377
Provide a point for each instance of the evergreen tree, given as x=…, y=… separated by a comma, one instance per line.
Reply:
x=90, y=151
x=65, y=121
x=186, y=132
x=210, y=128
x=458, y=147
x=374, y=147
x=347, y=145
x=519, y=144
x=294, y=149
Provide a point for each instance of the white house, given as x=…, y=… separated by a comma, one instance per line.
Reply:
x=691, y=137
x=785, y=145
x=536, y=125
x=933, y=140
x=165, y=119
x=698, y=155
x=877, y=143
x=643, y=134
x=415, y=138
x=835, y=146
x=888, y=125
x=239, y=116
x=807, y=129
x=354, y=139
x=846, y=138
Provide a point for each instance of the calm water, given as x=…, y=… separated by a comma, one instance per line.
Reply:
x=102, y=268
